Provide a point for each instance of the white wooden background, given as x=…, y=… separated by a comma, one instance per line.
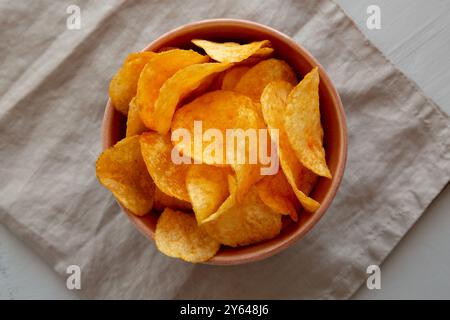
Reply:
x=415, y=35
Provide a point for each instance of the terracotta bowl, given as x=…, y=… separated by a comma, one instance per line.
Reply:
x=333, y=121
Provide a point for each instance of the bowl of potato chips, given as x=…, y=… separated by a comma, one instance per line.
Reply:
x=224, y=141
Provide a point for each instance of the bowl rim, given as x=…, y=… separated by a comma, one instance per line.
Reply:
x=301, y=231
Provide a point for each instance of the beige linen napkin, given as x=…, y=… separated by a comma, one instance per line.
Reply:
x=53, y=92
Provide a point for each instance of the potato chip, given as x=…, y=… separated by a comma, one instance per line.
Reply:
x=254, y=80
x=219, y=110
x=257, y=57
x=177, y=235
x=305, y=180
x=303, y=127
x=276, y=192
x=179, y=86
x=232, y=76
x=205, y=85
x=246, y=176
x=245, y=223
x=225, y=110
x=122, y=170
x=207, y=189
x=263, y=53
x=155, y=73
x=168, y=176
x=140, y=55
x=230, y=51
x=123, y=85
x=134, y=123
x=163, y=201
x=273, y=101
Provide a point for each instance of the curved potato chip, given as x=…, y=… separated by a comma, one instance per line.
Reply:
x=245, y=223
x=205, y=85
x=221, y=110
x=122, y=170
x=273, y=102
x=134, y=123
x=254, y=80
x=303, y=127
x=123, y=85
x=276, y=192
x=161, y=67
x=301, y=180
x=230, y=51
x=163, y=201
x=206, y=188
x=232, y=77
x=177, y=235
x=140, y=55
x=177, y=87
x=246, y=176
x=257, y=57
x=168, y=176
x=263, y=53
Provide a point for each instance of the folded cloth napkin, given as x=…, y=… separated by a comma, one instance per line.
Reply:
x=53, y=91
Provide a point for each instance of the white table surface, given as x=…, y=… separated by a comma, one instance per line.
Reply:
x=415, y=36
